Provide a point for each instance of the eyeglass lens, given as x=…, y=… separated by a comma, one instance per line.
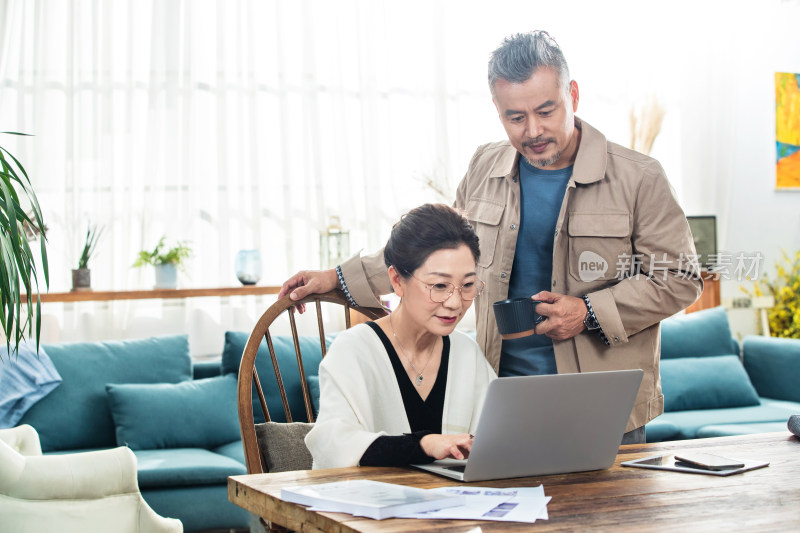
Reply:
x=440, y=292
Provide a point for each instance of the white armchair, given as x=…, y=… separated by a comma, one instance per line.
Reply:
x=81, y=492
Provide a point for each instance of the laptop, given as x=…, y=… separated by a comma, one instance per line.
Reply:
x=551, y=424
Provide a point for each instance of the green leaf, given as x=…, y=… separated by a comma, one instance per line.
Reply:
x=17, y=265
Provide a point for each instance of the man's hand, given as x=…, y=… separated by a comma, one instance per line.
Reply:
x=444, y=446
x=564, y=315
x=308, y=282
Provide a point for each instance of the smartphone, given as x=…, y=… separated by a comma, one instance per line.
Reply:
x=708, y=461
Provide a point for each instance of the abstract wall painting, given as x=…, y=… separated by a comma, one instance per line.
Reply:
x=787, y=130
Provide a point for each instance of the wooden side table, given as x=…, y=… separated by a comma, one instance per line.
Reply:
x=710, y=296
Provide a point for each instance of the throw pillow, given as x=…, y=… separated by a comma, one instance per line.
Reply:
x=235, y=342
x=711, y=382
x=76, y=415
x=26, y=377
x=193, y=414
x=283, y=446
x=313, y=390
x=698, y=334
x=771, y=363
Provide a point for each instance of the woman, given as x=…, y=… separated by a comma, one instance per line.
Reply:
x=408, y=388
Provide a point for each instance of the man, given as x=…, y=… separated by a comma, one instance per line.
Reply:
x=589, y=228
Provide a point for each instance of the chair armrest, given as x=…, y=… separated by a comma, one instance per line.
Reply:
x=773, y=365
x=22, y=439
x=77, y=476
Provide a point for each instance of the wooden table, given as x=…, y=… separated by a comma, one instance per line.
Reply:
x=621, y=498
x=151, y=294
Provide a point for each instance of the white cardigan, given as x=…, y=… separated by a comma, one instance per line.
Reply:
x=360, y=398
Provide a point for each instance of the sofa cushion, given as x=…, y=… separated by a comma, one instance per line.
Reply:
x=206, y=369
x=774, y=366
x=200, y=413
x=698, y=334
x=658, y=430
x=184, y=466
x=690, y=422
x=76, y=414
x=234, y=450
x=712, y=382
x=727, y=430
x=235, y=342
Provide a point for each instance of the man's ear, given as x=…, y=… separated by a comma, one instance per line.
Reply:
x=574, y=95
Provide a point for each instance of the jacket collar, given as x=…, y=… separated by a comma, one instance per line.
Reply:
x=590, y=163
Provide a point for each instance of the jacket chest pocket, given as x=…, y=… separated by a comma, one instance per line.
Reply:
x=485, y=216
x=599, y=245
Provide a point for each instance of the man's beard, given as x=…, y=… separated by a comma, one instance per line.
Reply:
x=540, y=163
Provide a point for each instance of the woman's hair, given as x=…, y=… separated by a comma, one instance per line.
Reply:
x=425, y=230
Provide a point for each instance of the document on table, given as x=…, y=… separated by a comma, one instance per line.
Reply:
x=521, y=504
x=373, y=499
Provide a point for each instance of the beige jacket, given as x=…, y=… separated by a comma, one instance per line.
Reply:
x=618, y=205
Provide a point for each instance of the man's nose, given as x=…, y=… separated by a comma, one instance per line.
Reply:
x=534, y=128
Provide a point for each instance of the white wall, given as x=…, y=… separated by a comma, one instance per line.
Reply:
x=728, y=166
x=712, y=66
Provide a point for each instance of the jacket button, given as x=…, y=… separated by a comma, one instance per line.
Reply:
x=514, y=180
x=503, y=275
x=554, y=283
x=616, y=339
x=556, y=234
x=513, y=226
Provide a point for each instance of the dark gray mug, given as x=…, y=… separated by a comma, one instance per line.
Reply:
x=516, y=317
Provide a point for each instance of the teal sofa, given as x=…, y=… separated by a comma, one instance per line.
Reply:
x=714, y=387
x=179, y=418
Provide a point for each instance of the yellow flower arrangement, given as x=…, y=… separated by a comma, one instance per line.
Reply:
x=784, y=316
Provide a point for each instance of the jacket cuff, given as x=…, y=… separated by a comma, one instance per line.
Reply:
x=605, y=310
x=591, y=318
x=356, y=283
x=343, y=285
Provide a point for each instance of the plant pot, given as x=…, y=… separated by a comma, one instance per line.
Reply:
x=81, y=279
x=166, y=276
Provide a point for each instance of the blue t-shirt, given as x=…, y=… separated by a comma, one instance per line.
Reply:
x=542, y=192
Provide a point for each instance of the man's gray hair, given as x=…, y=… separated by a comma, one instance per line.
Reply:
x=520, y=55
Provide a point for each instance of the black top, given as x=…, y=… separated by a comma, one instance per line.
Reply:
x=424, y=416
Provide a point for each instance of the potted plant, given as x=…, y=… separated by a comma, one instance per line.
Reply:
x=82, y=276
x=18, y=273
x=166, y=262
x=783, y=294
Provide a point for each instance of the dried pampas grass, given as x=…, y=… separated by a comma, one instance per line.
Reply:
x=646, y=119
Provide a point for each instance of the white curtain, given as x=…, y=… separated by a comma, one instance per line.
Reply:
x=237, y=124
x=230, y=124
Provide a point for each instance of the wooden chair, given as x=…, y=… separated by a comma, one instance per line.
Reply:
x=255, y=451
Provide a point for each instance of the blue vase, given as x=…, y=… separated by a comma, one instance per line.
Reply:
x=166, y=276
x=248, y=266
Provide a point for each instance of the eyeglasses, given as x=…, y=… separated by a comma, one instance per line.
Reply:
x=442, y=290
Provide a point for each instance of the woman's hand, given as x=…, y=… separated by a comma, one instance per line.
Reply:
x=444, y=446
